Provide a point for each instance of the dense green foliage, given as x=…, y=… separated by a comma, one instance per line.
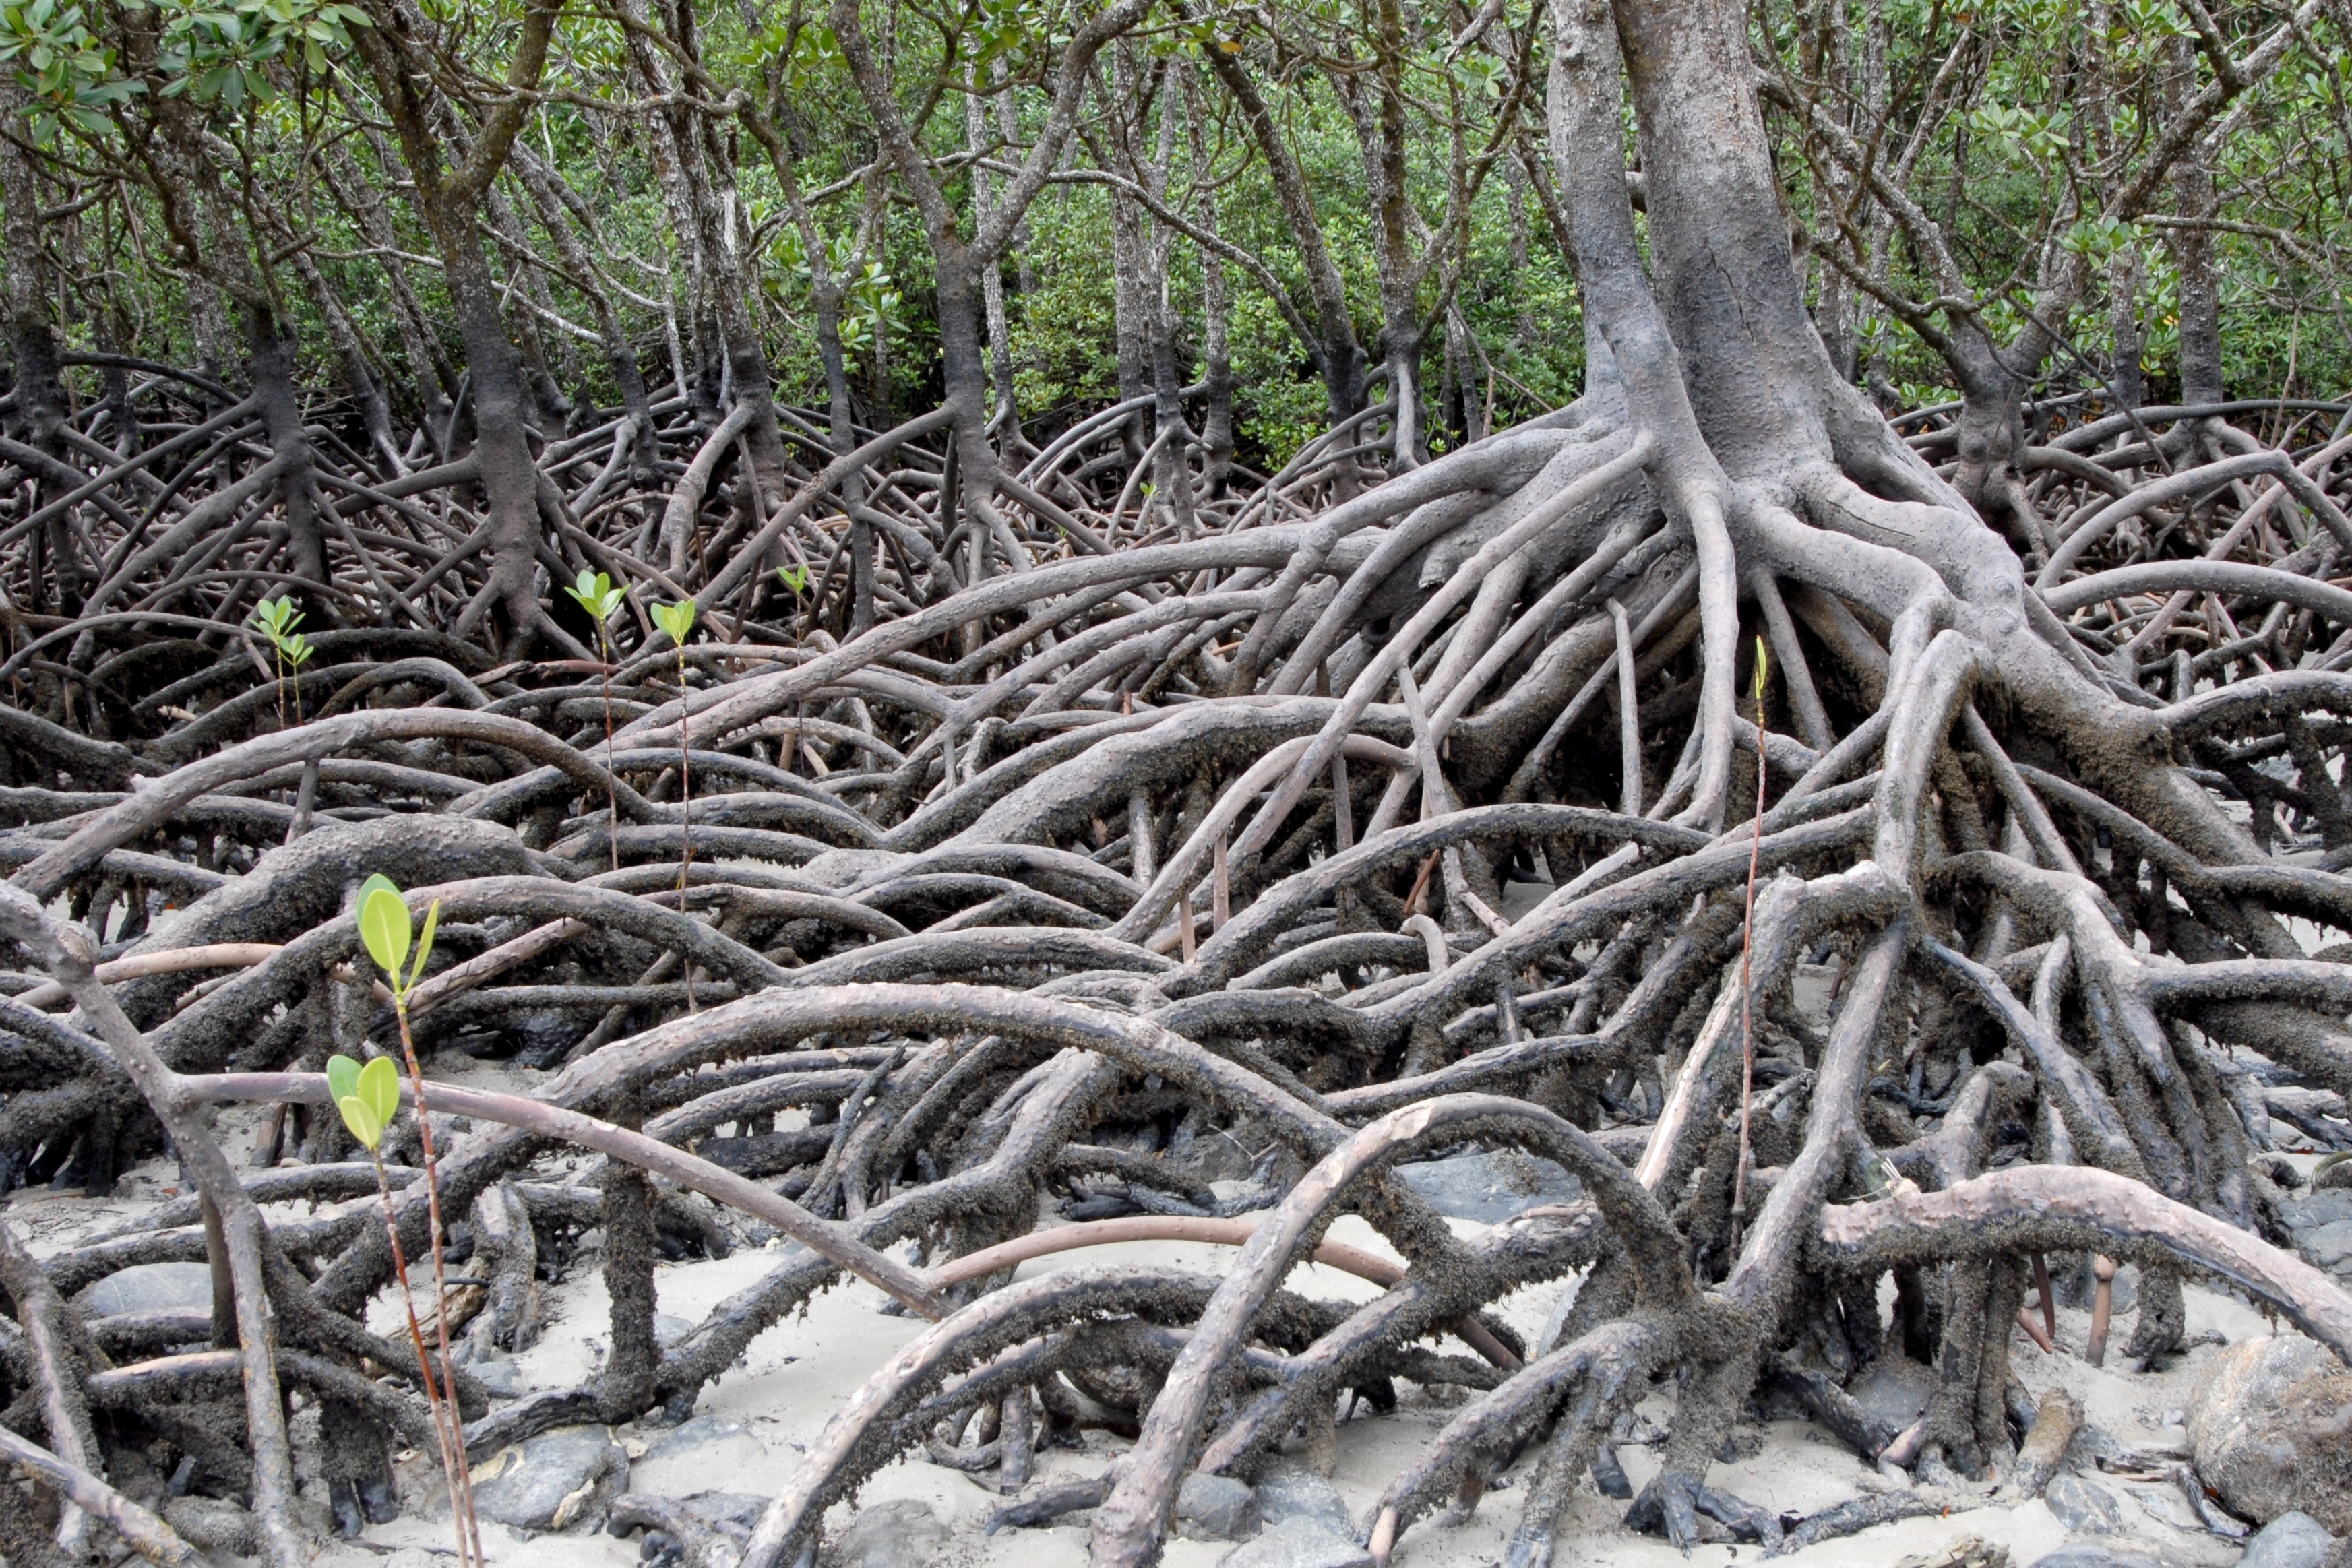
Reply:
x=2022, y=120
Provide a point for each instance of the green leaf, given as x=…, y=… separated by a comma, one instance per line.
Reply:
x=1763, y=668
x=593, y=592
x=363, y=1121
x=379, y=1090
x=677, y=619
x=383, y=926
x=794, y=577
x=343, y=1077
x=425, y=942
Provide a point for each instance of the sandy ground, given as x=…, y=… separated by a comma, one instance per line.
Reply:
x=799, y=1372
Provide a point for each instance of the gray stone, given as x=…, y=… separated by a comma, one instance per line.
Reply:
x=728, y=1510
x=1490, y=1188
x=2290, y=1541
x=1286, y=1492
x=1894, y=1389
x=1215, y=1508
x=695, y=1454
x=668, y=1331
x=2085, y=1506
x=502, y=1377
x=2329, y=1247
x=902, y=1534
x=1520, y=897
x=2270, y=1427
x=2324, y=1206
x=151, y=1287
x=553, y=1481
x=2101, y=1554
x=1300, y=1543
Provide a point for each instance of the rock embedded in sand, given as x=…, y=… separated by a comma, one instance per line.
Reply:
x=2319, y=1224
x=696, y=1455
x=2103, y=1554
x=1302, y=1542
x=553, y=1481
x=2270, y=1426
x=1894, y=1389
x=1489, y=1187
x=2085, y=1506
x=1286, y=1492
x=902, y=1534
x=151, y=1287
x=1215, y=1508
x=2290, y=1541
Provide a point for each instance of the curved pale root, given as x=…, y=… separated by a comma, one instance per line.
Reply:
x=141, y=1530
x=1220, y=1232
x=2201, y=576
x=170, y=961
x=2030, y=1208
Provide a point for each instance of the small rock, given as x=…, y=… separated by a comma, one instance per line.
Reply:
x=1963, y=1552
x=728, y=1510
x=1894, y=1390
x=2290, y=1541
x=151, y=1287
x=1300, y=1543
x=552, y=1480
x=2270, y=1426
x=1215, y=1508
x=690, y=1457
x=500, y=1378
x=1286, y=1492
x=2085, y=1506
x=2100, y=1555
x=1490, y=1188
x=668, y=1331
x=902, y=1534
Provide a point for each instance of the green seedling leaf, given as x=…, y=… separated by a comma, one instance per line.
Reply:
x=425, y=942
x=378, y=1091
x=342, y=1078
x=1763, y=667
x=383, y=926
x=361, y=1121
x=593, y=592
x=677, y=619
x=374, y=881
x=794, y=577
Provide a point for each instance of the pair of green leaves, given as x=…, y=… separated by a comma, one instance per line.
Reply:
x=277, y=619
x=368, y=1096
x=597, y=594
x=795, y=578
x=677, y=620
x=384, y=929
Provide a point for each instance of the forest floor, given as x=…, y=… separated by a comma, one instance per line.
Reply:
x=798, y=1373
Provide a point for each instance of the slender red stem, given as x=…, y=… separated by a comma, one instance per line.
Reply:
x=685, y=803
x=611, y=800
x=453, y=1443
x=461, y=1498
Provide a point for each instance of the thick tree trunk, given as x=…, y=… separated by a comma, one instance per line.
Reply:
x=1339, y=354
x=270, y=356
x=2192, y=248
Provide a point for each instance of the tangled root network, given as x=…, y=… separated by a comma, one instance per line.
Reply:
x=1688, y=789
